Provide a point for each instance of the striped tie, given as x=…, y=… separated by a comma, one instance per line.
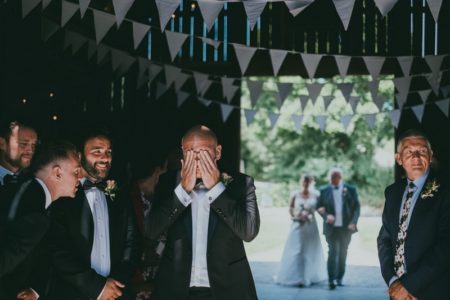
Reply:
x=399, y=260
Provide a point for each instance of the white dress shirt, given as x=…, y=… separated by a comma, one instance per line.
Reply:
x=4, y=172
x=100, y=253
x=338, y=205
x=200, y=200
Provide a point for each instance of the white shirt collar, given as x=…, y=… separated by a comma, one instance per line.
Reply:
x=48, y=196
x=3, y=172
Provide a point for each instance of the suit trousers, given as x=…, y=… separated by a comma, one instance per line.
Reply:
x=338, y=240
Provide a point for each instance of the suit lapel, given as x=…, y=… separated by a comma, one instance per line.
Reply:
x=86, y=220
x=211, y=224
x=399, y=190
x=421, y=204
x=187, y=221
x=331, y=200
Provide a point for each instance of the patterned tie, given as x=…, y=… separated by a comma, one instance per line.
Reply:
x=399, y=260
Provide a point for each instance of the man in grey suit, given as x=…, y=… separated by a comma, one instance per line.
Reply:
x=339, y=207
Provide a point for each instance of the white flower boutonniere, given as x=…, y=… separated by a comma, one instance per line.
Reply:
x=431, y=188
x=111, y=189
x=344, y=191
x=226, y=179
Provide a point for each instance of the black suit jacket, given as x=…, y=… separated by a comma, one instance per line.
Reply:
x=70, y=243
x=350, y=206
x=234, y=217
x=23, y=259
x=427, y=246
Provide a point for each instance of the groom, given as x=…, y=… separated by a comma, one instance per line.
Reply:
x=414, y=240
x=339, y=207
x=207, y=216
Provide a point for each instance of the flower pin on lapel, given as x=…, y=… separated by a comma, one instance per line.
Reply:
x=226, y=179
x=431, y=188
x=111, y=189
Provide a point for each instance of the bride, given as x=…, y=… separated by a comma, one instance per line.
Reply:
x=303, y=262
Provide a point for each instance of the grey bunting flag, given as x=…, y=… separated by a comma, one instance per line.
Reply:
x=249, y=116
x=395, y=117
x=298, y=120
x=345, y=121
x=255, y=89
x=418, y=111
x=443, y=105
x=273, y=117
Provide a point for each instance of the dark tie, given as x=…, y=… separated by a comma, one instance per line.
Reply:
x=336, y=187
x=101, y=185
x=14, y=178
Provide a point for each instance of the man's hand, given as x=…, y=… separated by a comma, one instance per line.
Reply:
x=27, y=294
x=111, y=290
x=330, y=219
x=188, y=169
x=208, y=168
x=321, y=210
x=352, y=227
x=398, y=292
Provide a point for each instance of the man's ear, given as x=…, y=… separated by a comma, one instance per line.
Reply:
x=2, y=144
x=398, y=159
x=56, y=171
x=218, y=152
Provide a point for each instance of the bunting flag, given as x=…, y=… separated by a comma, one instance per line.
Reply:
x=345, y=121
x=374, y=65
x=273, y=117
x=277, y=57
x=205, y=102
x=181, y=98
x=161, y=89
x=297, y=6
x=201, y=82
x=346, y=89
x=174, y=41
x=353, y=101
x=445, y=90
x=48, y=29
x=75, y=40
x=344, y=9
x=284, y=89
x=424, y=95
x=45, y=3
x=210, y=10
x=68, y=9
x=371, y=119
x=373, y=88
x=166, y=8
x=181, y=80
x=434, y=62
x=121, y=8
x=443, y=105
x=298, y=120
x=28, y=6
x=395, y=115
x=125, y=65
x=405, y=63
x=279, y=102
x=142, y=77
x=121, y=61
x=139, y=32
x=314, y=90
x=342, y=63
x=255, y=89
x=379, y=102
x=228, y=88
x=434, y=81
x=243, y=55
x=171, y=73
x=311, y=62
x=435, y=8
x=385, y=6
x=303, y=101
x=153, y=71
x=322, y=121
x=249, y=116
x=418, y=111
x=327, y=101
x=84, y=5
x=402, y=84
x=253, y=11
x=226, y=111
x=102, y=52
x=211, y=42
x=401, y=99
x=102, y=23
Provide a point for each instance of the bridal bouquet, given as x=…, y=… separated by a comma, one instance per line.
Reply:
x=302, y=215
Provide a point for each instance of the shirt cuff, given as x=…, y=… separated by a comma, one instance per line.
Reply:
x=215, y=192
x=182, y=195
x=35, y=293
x=394, y=278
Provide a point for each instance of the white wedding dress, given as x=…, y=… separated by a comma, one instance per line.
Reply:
x=303, y=262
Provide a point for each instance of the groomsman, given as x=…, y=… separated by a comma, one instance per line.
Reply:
x=339, y=207
x=23, y=264
x=414, y=240
x=94, y=245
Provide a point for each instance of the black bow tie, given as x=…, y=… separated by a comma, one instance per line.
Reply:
x=101, y=185
x=14, y=178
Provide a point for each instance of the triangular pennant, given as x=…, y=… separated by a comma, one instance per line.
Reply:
x=211, y=42
x=342, y=63
x=395, y=117
x=401, y=99
x=226, y=111
x=445, y=90
x=75, y=40
x=435, y=7
x=314, y=90
x=298, y=120
x=374, y=65
x=255, y=89
x=161, y=89
x=434, y=81
x=385, y=6
x=210, y=10
x=141, y=80
x=311, y=62
x=303, y=101
x=405, y=63
x=68, y=9
x=102, y=52
x=373, y=88
x=181, y=97
x=49, y=28
x=297, y=6
x=322, y=121
x=171, y=73
x=165, y=10
x=284, y=89
x=121, y=8
x=402, y=84
x=273, y=117
x=103, y=23
x=28, y=6
x=175, y=40
x=127, y=62
x=371, y=119
x=249, y=116
x=418, y=111
x=434, y=62
x=230, y=92
x=201, y=80
x=279, y=102
x=117, y=58
x=424, y=95
x=327, y=101
x=253, y=11
x=346, y=89
x=244, y=55
x=139, y=32
x=277, y=57
x=153, y=71
x=344, y=9
x=92, y=48
x=181, y=80
x=205, y=102
x=379, y=102
x=345, y=121
x=142, y=65
x=443, y=106
x=45, y=3
x=353, y=101
x=84, y=5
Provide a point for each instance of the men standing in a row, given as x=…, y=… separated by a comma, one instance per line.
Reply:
x=414, y=240
x=94, y=245
x=207, y=215
x=23, y=264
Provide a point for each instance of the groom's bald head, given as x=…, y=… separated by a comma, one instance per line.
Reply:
x=202, y=132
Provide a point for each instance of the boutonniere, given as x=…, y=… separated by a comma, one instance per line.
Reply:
x=344, y=191
x=111, y=189
x=430, y=189
x=226, y=179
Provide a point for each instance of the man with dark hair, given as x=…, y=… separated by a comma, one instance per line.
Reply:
x=414, y=240
x=23, y=264
x=94, y=245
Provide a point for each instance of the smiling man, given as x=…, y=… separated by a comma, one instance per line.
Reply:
x=414, y=240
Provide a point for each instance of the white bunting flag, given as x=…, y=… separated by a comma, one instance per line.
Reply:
x=226, y=111
x=327, y=101
x=346, y=89
x=424, y=95
x=255, y=89
x=253, y=9
x=102, y=23
x=273, y=117
x=49, y=28
x=139, y=32
x=354, y=101
x=322, y=121
x=166, y=8
x=244, y=55
x=405, y=63
x=345, y=121
x=418, y=111
x=68, y=9
x=395, y=117
x=121, y=8
x=84, y=5
x=434, y=62
x=174, y=41
x=374, y=65
x=314, y=90
x=371, y=119
x=435, y=8
x=277, y=57
x=181, y=98
x=344, y=9
x=298, y=120
x=211, y=42
x=342, y=63
x=210, y=10
x=311, y=62
x=297, y=6
x=205, y=102
x=385, y=6
x=28, y=6
x=249, y=116
x=443, y=106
